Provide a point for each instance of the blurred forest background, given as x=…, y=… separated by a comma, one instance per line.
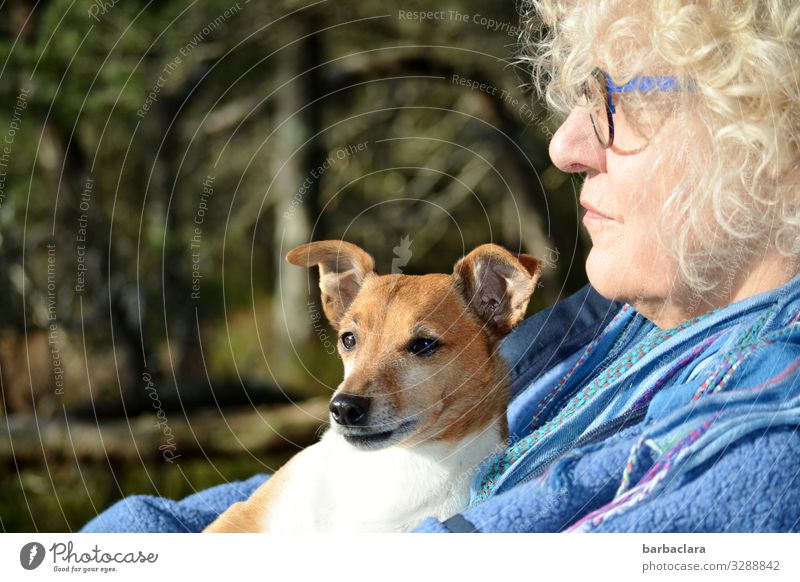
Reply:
x=158, y=159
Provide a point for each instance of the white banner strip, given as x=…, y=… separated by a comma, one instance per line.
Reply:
x=400, y=557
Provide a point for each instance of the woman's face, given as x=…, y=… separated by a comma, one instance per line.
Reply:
x=623, y=193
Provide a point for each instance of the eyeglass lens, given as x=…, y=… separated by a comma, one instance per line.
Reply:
x=596, y=93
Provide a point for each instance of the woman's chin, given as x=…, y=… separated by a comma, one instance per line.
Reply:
x=610, y=276
x=622, y=275
x=616, y=278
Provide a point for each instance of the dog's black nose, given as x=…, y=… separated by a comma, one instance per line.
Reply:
x=350, y=410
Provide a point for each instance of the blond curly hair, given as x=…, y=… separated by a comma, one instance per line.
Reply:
x=740, y=193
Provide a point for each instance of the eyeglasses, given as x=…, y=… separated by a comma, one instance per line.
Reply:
x=599, y=88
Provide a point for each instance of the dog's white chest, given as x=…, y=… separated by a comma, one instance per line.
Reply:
x=338, y=487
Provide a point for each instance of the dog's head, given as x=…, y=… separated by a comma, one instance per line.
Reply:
x=419, y=352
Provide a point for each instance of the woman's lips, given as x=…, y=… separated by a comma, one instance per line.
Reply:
x=593, y=214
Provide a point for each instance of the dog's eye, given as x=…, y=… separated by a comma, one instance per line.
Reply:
x=348, y=340
x=423, y=346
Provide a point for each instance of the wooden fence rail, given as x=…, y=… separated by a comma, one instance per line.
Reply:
x=26, y=439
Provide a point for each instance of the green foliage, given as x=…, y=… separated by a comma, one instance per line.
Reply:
x=133, y=111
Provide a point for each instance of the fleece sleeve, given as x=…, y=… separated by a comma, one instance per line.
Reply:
x=753, y=486
x=147, y=514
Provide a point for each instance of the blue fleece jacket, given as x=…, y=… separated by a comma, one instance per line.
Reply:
x=617, y=426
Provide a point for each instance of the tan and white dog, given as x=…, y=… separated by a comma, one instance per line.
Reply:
x=422, y=403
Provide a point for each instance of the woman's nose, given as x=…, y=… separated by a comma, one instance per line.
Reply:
x=575, y=147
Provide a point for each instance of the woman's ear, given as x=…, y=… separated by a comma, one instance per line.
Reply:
x=342, y=269
x=497, y=285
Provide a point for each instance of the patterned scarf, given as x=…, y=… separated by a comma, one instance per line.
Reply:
x=607, y=377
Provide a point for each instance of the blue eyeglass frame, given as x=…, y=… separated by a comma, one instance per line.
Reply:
x=644, y=83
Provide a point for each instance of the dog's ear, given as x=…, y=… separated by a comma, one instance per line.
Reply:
x=342, y=269
x=497, y=285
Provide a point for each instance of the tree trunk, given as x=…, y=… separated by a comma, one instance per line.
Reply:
x=295, y=191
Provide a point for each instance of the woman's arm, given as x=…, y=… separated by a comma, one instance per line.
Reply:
x=145, y=513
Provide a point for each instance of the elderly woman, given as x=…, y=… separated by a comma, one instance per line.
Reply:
x=666, y=396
